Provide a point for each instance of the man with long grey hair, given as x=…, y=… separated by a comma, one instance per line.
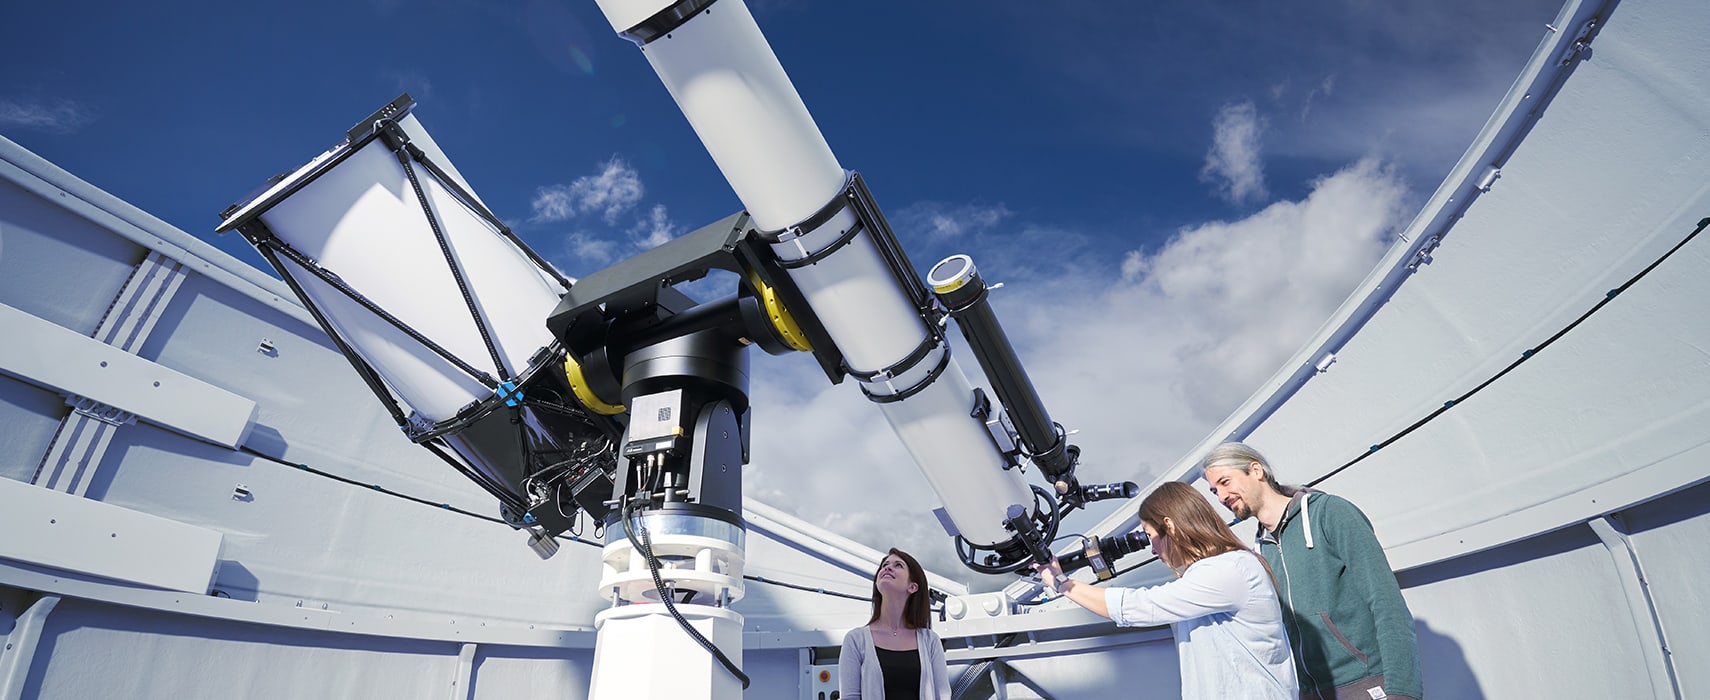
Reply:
x=1351, y=630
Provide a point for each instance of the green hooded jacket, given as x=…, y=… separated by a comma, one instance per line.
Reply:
x=1344, y=612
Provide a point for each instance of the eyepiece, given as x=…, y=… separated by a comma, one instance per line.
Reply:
x=1099, y=492
x=1102, y=553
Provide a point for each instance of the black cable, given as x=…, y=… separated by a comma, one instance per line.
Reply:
x=1524, y=356
x=1136, y=566
x=573, y=537
x=810, y=589
x=481, y=478
x=646, y=551
x=973, y=673
x=376, y=487
x=820, y=590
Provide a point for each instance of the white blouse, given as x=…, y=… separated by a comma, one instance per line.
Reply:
x=1228, y=626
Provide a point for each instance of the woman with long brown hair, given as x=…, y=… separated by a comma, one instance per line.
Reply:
x=1222, y=606
x=896, y=655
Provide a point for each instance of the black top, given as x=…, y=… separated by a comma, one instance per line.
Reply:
x=902, y=673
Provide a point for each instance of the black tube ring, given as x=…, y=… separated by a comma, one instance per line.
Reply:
x=885, y=377
x=809, y=258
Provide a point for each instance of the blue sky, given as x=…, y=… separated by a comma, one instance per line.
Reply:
x=1175, y=194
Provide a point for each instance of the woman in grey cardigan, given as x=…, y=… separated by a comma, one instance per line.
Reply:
x=896, y=655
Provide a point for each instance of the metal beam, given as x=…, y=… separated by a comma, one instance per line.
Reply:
x=1659, y=661
x=71, y=363
x=85, y=433
x=21, y=647
x=74, y=534
x=462, y=687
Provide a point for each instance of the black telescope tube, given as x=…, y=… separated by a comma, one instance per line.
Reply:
x=962, y=292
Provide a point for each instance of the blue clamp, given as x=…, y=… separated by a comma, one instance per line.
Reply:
x=528, y=519
x=508, y=392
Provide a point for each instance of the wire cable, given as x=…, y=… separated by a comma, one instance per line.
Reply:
x=572, y=537
x=646, y=549
x=811, y=589
x=1524, y=357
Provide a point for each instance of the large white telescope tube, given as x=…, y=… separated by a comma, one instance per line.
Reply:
x=728, y=83
x=354, y=211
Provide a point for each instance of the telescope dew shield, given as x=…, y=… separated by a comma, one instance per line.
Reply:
x=728, y=83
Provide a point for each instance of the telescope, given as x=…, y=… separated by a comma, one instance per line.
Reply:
x=620, y=397
x=438, y=306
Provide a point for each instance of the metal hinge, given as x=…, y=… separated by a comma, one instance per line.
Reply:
x=90, y=408
x=1581, y=47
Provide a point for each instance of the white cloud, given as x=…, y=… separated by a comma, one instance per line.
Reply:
x=1143, y=362
x=590, y=252
x=584, y=251
x=413, y=82
x=614, y=190
x=1325, y=88
x=1259, y=287
x=58, y=116
x=1424, y=138
x=552, y=204
x=942, y=221
x=1232, y=165
x=1420, y=78
x=654, y=229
